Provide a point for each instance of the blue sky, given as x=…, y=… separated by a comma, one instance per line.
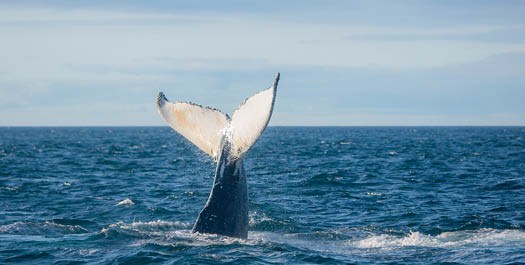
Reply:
x=341, y=62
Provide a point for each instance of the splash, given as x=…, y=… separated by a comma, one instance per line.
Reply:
x=127, y=202
x=152, y=226
x=479, y=238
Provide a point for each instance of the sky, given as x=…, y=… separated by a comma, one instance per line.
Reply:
x=348, y=63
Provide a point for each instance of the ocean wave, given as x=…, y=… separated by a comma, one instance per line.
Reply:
x=341, y=242
x=141, y=230
x=326, y=178
x=46, y=228
x=167, y=233
x=480, y=238
x=152, y=226
x=261, y=222
x=333, y=240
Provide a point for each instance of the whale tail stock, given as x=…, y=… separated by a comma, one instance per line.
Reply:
x=205, y=127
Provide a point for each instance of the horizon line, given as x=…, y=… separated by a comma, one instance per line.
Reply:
x=123, y=126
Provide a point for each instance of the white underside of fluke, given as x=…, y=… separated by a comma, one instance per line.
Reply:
x=205, y=127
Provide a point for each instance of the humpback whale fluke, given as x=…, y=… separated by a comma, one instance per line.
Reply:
x=226, y=140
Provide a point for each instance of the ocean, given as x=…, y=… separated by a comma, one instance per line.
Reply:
x=318, y=195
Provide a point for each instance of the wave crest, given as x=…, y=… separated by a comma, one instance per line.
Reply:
x=152, y=226
x=482, y=237
x=46, y=228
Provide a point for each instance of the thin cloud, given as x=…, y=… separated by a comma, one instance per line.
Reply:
x=27, y=16
x=495, y=34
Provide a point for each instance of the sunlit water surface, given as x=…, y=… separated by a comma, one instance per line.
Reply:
x=317, y=195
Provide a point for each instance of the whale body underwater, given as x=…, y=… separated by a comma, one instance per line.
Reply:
x=227, y=140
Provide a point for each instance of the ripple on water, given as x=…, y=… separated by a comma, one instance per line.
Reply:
x=317, y=195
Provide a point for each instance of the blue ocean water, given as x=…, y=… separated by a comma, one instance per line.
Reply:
x=324, y=195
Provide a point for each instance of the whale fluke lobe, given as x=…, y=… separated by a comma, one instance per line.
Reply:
x=205, y=126
x=202, y=126
x=251, y=118
x=226, y=140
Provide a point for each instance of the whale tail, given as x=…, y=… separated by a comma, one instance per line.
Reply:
x=205, y=127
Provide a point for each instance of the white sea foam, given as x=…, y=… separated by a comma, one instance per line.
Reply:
x=335, y=242
x=188, y=238
x=40, y=228
x=88, y=251
x=342, y=241
x=200, y=239
x=381, y=241
x=152, y=226
x=161, y=232
x=385, y=242
x=256, y=218
x=482, y=237
x=127, y=201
